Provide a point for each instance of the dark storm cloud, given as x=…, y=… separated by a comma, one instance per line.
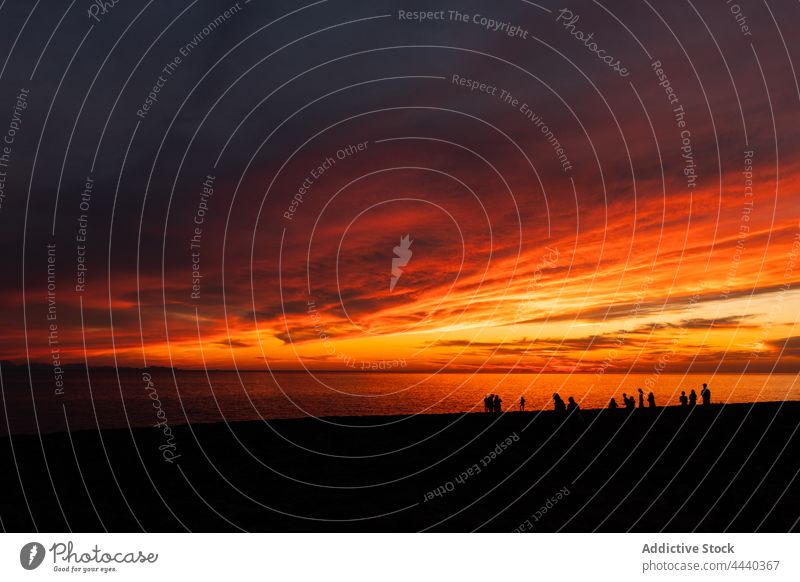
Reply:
x=789, y=345
x=727, y=322
x=232, y=343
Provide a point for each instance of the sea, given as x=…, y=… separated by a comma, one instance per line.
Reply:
x=109, y=398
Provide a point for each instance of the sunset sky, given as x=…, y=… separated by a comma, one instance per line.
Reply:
x=620, y=261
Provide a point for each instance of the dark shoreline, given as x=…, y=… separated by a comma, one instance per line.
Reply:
x=716, y=468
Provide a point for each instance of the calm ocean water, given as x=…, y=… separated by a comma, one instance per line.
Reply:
x=136, y=399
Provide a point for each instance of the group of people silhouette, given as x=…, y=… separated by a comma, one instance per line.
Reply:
x=691, y=400
x=493, y=402
x=630, y=402
x=570, y=406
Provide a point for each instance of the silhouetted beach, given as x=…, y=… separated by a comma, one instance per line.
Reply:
x=713, y=468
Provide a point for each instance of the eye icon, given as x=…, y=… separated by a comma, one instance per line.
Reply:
x=31, y=555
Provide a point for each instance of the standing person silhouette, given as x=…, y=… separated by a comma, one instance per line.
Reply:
x=487, y=406
x=684, y=400
x=497, y=403
x=705, y=393
x=522, y=404
x=558, y=404
x=651, y=400
x=641, y=398
x=692, y=398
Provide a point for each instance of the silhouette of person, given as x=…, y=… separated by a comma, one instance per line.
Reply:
x=651, y=400
x=613, y=404
x=705, y=393
x=684, y=400
x=641, y=398
x=692, y=398
x=558, y=404
x=572, y=405
x=497, y=403
x=487, y=407
x=522, y=404
x=625, y=400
